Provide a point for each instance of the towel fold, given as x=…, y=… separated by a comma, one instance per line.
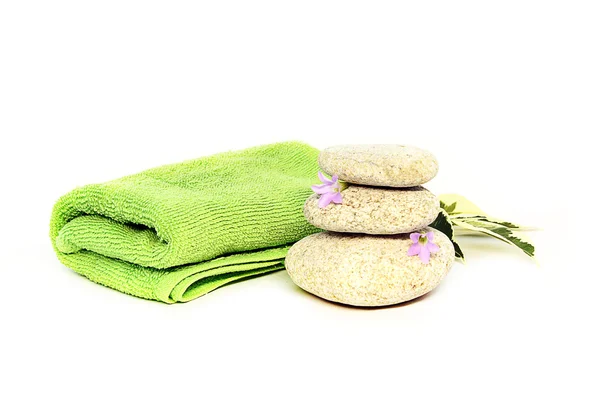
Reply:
x=176, y=232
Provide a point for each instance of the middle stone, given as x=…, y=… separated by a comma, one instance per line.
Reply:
x=375, y=210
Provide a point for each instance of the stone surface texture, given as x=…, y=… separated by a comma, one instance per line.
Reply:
x=379, y=165
x=375, y=210
x=365, y=270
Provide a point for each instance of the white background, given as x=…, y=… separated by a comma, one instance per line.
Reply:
x=506, y=94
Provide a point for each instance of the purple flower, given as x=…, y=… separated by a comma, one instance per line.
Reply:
x=329, y=190
x=423, y=246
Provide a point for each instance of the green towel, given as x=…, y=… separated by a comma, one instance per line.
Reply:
x=176, y=232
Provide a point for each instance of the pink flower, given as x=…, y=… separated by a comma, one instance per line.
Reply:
x=423, y=246
x=329, y=190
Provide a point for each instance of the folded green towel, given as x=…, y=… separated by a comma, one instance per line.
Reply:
x=177, y=232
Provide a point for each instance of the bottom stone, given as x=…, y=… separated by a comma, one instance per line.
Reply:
x=366, y=270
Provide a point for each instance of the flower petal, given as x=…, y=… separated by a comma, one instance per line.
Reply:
x=424, y=255
x=415, y=237
x=430, y=236
x=325, y=200
x=323, y=178
x=337, y=198
x=334, y=178
x=414, y=249
x=321, y=189
x=432, y=247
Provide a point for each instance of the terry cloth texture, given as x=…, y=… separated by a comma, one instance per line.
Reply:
x=176, y=232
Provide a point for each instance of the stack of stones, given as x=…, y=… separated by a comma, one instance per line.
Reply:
x=362, y=258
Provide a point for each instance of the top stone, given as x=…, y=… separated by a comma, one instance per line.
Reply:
x=379, y=165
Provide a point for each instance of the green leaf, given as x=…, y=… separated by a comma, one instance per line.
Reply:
x=448, y=208
x=495, y=230
x=465, y=217
x=442, y=223
x=463, y=205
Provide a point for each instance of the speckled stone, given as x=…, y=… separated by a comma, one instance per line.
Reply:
x=372, y=210
x=380, y=165
x=366, y=270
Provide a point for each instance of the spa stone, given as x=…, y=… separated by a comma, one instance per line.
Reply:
x=373, y=210
x=366, y=270
x=379, y=165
